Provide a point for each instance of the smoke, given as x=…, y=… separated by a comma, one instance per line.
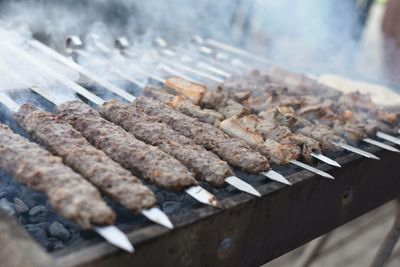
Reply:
x=306, y=35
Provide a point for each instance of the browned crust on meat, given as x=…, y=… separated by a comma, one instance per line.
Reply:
x=205, y=164
x=95, y=166
x=147, y=161
x=234, y=151
x=68, y=192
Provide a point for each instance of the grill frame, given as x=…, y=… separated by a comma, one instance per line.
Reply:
x=252, y=231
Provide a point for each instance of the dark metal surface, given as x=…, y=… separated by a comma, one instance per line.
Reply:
x=252, y=231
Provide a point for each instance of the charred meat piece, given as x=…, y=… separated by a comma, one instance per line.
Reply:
x=234, y=151
x=321, y=133
x=182, y=104
x=273, y=150
x=207, y=166
x=95, y=166
x=145, y=160
x=193, y=91
x=219, y=101
x=295, y=144
x=212, y=99
x=68, y=192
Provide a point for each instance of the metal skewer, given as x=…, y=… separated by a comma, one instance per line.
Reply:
x=232, y=180
x=312, y=169
x=388, y=137
x=272, y=175
x=151, y=214
x=116, y=237
x=356, y=150
x=110, y=233
x=249, y=55
x=199, y=193
x=325, y=159
x=315, y=155
x=380, y=144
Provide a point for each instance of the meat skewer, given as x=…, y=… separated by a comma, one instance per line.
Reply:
x=271, y=174
x=207, y=165
x=93, y=164
x=262, y=60
x=295, y=162
x=68, y=192
x=359, y=151
x=228, y=108
x=309, y=107
x=197, y=159
x=246, y=123
x=117, y=141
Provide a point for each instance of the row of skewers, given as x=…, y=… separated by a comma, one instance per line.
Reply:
x=178, y=134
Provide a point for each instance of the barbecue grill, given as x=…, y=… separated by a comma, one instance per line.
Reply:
x=236, y=228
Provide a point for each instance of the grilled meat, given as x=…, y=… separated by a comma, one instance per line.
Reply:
x=276, y=152
x=234, y=151
x=145, y=160
x=182, y=104
x=70, y=194
x=321, y=133
x=212, y=99
x=205, y=164
x=95, y=166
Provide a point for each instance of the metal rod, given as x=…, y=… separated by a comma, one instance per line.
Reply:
x=326, y=159
x=312, y=169
x=388, y=137
x=59, y=77
x=114, y=89
x=203, y=196
x=116, y=237
x=237, y=51
x=242, y=185
x=356, y=150
x=9, y=102
x=381, y=145
x=275, y=176
x=199, y=193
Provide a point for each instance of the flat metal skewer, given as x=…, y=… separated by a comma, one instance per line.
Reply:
x=309, y=168
x=325, y=159
x=320, y=157
x=276, y=176
x=245, y=187
x=232, y=180
x=381, y=145
x=110, y=233
x=154, y=214
x=242, y=52
x=78, y=89
x=74, y=66
x=312, y=169
x=197, y=192
x=356, y=150
x=388, y=137
x=247, y=54
x=115, y=236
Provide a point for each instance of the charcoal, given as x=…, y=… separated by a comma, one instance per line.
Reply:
x=7, y=207
x=38, y=214
x=59, y=231
x=20, y=206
